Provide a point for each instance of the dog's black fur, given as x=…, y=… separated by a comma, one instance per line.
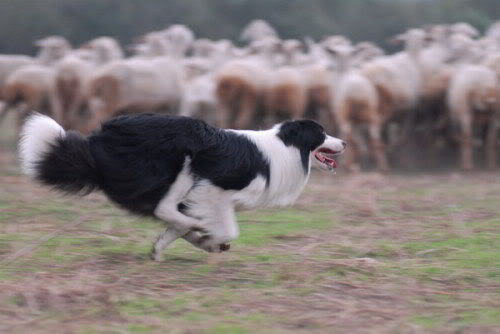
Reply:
x=134, y=159
x=306, y=135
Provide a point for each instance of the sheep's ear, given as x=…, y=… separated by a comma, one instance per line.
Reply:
x=396, y=40
x=87, y=45
x=279, y=46
x=40, y=42
x=301, y=47
x=331, y=51
x=140, y=39
x=357, y=51
x=131, y=47
x=309, y=42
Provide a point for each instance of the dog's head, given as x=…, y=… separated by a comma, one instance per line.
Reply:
x=313, y=143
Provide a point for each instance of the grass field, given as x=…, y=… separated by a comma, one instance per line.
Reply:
x=357, y=254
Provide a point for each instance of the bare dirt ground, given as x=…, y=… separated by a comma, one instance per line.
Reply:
x=363, y=253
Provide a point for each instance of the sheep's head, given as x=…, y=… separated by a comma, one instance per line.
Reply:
x=52, y=48
x=367, y=50
x=267, y=45
x=203, y=47
x=464, y=29
x=258, y=29
x=335, y=41
x=106, y=48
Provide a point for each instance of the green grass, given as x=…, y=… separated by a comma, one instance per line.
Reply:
x=433, y=243
x=261, y=228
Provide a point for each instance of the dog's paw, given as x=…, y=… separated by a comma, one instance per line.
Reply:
x=216, y=247
x=202, y=238
x=201, y=235
x=155, y=255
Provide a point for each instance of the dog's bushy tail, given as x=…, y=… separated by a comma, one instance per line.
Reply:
x=55, y=157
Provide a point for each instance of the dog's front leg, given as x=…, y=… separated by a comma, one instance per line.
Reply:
x=169, y=235
x=219, y=219
x=218, y=229
x=163, y=240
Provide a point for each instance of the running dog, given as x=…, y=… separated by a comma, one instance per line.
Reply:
x=182, y=171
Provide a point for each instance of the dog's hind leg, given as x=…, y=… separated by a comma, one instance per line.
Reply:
x=167, y=209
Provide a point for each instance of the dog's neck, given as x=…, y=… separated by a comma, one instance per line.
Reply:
x=287, y=175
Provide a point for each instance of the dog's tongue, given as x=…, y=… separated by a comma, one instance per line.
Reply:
x=326, y=160
x=332, y=163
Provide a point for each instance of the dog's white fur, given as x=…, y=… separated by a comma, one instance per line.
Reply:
x=217, y=207
x=32, y=148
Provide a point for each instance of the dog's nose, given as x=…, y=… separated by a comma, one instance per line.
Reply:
x=344, y=144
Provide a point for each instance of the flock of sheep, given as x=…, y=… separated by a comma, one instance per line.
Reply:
x=444, y=82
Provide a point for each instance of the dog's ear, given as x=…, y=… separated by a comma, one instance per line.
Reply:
x=288, y=132
x=303, y=134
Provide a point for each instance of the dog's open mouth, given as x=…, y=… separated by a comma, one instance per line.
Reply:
x=325, y=156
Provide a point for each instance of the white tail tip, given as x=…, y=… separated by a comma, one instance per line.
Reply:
x=39, y=132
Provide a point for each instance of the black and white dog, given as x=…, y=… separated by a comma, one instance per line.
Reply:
x=180, y=170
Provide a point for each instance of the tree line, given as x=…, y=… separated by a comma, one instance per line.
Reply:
x=24, y=21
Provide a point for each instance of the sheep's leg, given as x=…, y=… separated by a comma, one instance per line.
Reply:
x=223, y=116
x=378, y=147
x=351, y=154
x=466, y=142
x=22, y=112
x=5, y=110
x=325, y=119
x=269, y=112
x=56, y=109
x=248, y=108
x=98, y=115
x=491, y=142
x=269, y=120
x=298, y=108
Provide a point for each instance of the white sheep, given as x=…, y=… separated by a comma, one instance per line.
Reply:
x=73, y=74
x=493, y=31
x=356, y=102
x=397, y=77
x=8, y=65
x=31, y=83
x=31, y=88
x=134, y=84
x=106, y=49
x=241, y=84
x=198, y=99
x=258, y=29
x=473, y=97
x=179, y=38
x=286, y=94
x=52, y=49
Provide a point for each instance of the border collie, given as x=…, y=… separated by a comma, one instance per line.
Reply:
x=182, y=171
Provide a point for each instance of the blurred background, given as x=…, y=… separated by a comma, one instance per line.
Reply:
x=23, y=21
x=400, y=240
x=389, y=76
